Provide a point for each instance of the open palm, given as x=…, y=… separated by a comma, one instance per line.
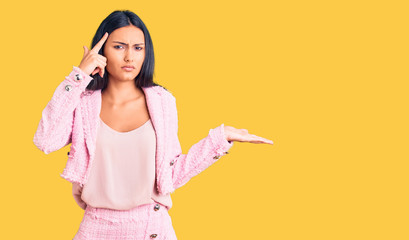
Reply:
x=242, y=135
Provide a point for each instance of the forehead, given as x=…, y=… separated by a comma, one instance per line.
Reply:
x=128, y=34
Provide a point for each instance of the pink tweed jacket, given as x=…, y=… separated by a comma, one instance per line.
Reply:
x=72, y=114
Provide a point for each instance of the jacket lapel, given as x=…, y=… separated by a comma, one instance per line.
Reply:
x=90, y=114
x=154, y=102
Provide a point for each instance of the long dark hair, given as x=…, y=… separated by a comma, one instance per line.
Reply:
x=115, y=20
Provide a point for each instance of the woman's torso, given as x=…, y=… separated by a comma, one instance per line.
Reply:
x=123, y=174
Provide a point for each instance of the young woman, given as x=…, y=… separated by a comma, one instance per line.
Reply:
x=125, y=158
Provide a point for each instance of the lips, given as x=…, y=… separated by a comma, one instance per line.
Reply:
x=128, y=66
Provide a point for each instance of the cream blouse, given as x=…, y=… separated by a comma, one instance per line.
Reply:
x=123, y=172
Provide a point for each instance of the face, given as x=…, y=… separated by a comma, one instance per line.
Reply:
x=124, y=47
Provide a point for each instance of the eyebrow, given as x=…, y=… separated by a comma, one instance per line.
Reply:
x=127, y=44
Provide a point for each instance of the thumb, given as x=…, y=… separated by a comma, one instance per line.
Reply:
x=85, y=50
x=95, y=71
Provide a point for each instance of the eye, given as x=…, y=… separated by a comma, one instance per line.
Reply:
x=139, y=48
x=117, y=46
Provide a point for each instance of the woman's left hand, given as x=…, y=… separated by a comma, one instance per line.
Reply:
x=242, y=135
x=76, y=192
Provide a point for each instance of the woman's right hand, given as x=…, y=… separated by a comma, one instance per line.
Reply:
x=76, y=192
x=92, y=62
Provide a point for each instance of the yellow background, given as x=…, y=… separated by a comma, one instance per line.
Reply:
x=327, y=81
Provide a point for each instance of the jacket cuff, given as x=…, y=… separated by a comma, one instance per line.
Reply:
x=219, y=140
x=79, y=78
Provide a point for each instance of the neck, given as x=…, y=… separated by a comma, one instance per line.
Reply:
x=120, y=92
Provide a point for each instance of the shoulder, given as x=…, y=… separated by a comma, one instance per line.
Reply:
x=163, y=92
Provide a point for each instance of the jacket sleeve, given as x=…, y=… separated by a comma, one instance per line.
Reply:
x=55, y=127
x=200, y=156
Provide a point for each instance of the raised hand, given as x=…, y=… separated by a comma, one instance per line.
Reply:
x=242, y=135
x=92, y=62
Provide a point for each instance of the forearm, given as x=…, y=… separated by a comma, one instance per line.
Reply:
x=55, y=126
x=200, y=156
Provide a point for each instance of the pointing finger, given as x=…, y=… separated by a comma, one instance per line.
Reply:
x=101, y=42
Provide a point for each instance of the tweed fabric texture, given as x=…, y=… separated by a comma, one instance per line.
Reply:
x=139, y=223
x=72, y=116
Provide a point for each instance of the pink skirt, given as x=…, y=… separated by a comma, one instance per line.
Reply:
x=147, y=222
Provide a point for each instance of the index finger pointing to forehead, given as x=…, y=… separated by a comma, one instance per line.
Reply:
x=101, y=42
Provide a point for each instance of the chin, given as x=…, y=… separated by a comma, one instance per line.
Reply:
x=127, y=76
x=131, y=78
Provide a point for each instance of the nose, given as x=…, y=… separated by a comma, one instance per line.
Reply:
x=128, y=56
